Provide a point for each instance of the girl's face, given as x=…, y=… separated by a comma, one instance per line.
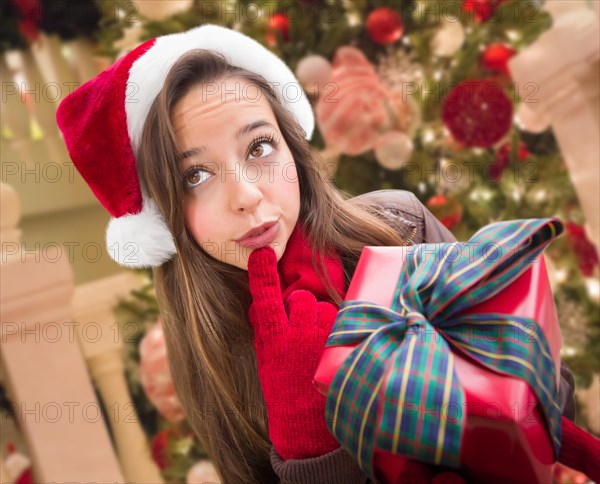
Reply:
x=236, y=169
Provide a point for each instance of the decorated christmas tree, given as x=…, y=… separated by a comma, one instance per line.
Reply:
x=414, y=95
x=419, y=96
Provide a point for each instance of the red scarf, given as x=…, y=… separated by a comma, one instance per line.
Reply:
x=296, y=270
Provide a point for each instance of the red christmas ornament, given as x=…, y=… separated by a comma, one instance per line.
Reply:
x=503, y=158
x=31, y=14
x=385, y=25
x=495, y=57
x=447, y=211
x=587, y=255
x=279, y=22
x=160, y=448
x=478, y=113
x=503, y=153
x=481, y=10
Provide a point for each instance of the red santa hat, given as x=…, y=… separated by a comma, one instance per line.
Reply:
x=102, y=123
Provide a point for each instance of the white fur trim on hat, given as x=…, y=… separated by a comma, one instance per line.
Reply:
x=140, y=240
x=148, y=73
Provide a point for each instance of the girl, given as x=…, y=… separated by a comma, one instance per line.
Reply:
x=196, y=143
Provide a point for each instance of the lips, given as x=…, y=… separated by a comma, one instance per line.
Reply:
x=257, y=230
x=260, y=236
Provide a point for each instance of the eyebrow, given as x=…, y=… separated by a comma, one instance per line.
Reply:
x=240, y=132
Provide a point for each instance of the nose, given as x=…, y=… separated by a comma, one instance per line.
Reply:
x=245, y=190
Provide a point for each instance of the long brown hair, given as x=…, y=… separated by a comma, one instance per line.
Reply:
x=208, y=336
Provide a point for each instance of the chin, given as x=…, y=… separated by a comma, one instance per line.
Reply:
x=278, y=248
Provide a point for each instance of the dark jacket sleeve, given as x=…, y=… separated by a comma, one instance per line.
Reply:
x=408, y=216
x=429, y=229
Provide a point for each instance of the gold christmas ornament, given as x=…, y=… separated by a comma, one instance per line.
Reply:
x=314, y=72
x=449, y=38
x=393, y=150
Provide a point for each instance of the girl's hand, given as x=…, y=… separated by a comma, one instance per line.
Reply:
x=414, y=472
x=289, y=337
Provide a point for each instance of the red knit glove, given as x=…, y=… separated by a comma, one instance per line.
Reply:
x=414, y=472
x=288, y=349
x=580, y=450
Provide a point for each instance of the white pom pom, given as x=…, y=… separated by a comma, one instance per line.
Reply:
x=140, y=240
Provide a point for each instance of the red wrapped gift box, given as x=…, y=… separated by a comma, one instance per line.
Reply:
x=505, y=439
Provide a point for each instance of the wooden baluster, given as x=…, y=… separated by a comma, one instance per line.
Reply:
x=42, y=98
x=39, y=101
x=567, y=94
x=4, y=478
x=46, y=377
x=14, y=115
x=82, y=58
x=102, y=346
x=56, y=70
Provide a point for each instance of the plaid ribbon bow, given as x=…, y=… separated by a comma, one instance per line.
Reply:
x=404, y=363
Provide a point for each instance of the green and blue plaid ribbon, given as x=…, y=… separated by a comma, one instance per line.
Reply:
x=398, y=390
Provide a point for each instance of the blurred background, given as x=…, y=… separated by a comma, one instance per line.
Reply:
x=487, y=110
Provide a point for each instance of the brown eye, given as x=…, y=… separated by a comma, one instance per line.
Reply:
x=193, y=178
x=257, y=151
